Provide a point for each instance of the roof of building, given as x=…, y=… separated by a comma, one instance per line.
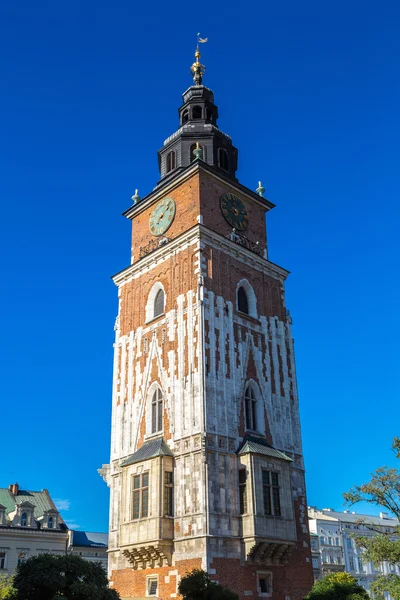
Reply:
x=90, y=539
x=352, y=517
x=41, y=501
x=150, y=449
x=260, y=446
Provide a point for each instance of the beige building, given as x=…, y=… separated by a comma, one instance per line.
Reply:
x=30, y=525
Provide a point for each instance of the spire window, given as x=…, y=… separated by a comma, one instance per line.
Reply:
x=250, y=402
x=242, y=300
x=185, y=117
x=197, y=112
x=157, y=411
x=159, y=303
x=171, y=161
x=223, y=161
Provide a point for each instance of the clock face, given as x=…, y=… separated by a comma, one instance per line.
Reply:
x=162, y=216
x=234, y=211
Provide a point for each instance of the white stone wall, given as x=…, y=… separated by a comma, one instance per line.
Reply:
x=15, y=542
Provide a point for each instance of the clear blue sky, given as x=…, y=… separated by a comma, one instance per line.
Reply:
x=309, y=92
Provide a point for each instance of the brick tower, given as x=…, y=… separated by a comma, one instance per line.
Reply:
x=206, y=467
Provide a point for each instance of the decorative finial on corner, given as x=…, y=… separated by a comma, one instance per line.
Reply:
x=136, y=197
x=197, y=68
x=260, y=190
x=198, y=151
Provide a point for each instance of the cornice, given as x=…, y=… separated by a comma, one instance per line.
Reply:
x=199, y=234
x=196, y=167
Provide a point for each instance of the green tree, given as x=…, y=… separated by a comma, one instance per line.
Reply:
x=7, y=590
x=68, y=577
x=337, y=586
x=197, y=585
x=383, y=490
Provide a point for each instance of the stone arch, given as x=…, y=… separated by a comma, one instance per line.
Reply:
x=151, y=301
x=250, y=296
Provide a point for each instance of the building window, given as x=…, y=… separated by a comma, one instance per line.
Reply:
x=171, y=161
x=250, y=402
x=24, y=519
x=264, y=584
x=242, y=492
x=209, y=114
x=152, y=586
x=322, y=539
x=271, y=493
x=330, y=541
x=185, y=117
x=157, y=412
x=50, y=522
x=338, y=560
x=315, y=563
x=223, y=159
x=22, y=557
x=313, y=544
x=140, y=496
x=360, y=565
x=331, y=560
x=168, y=494
x=158, y=304
x=337, y=542
x=349, y=543
x=197, y=112
x=3, y=562
x=242, y=301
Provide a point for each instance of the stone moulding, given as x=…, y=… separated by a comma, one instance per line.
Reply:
x=270, y=553
x=144, y=557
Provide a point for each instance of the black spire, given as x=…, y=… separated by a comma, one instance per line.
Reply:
x=198, y=129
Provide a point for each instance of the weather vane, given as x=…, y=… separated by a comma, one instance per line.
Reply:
x=197, y=68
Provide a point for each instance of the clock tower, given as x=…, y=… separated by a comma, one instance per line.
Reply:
x=206, y=467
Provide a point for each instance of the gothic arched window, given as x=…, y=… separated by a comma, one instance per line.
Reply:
x=197, y=112
x=185, y=117
x=157, y=411
x=223, y=161
x=242, y=301
x=159, y=304
x=24, y=519
x=250, y=405
x=171, y=161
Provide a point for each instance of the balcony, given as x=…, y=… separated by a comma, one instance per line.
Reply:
x=243, y=241
x=151, y=246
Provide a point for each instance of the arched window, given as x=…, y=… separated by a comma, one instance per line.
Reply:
x=246, y=301
x=24, y=519
x=223, y=161
x=197, y=112
x=185, y=117
x=50, y=522
x=158, y=304
x=171, y=161
x=250, y=403
x=242, y=301
x=157, y=411
x=209, y=114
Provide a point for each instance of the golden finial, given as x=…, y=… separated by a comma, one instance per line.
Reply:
x=197, y=68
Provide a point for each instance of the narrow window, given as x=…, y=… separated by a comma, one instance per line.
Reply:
x=250, y=409
x=2, y=560
x=140, y=501
x=264, y=583
x=50, y=522
x=271, y=493
x=24, y=519
x=209, y=114
x=322, y=539
x=197, y=112
x=22, y=556
x=168, y=494
x=185, y=117
x=152, y=586
x=157, y=412
x=351, y=560
x=223, y=159
x=242, y=492
x=171, y=158
x=158, y=304
x=242, y=301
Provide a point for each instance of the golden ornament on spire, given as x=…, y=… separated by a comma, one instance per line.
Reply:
x=197, y=68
